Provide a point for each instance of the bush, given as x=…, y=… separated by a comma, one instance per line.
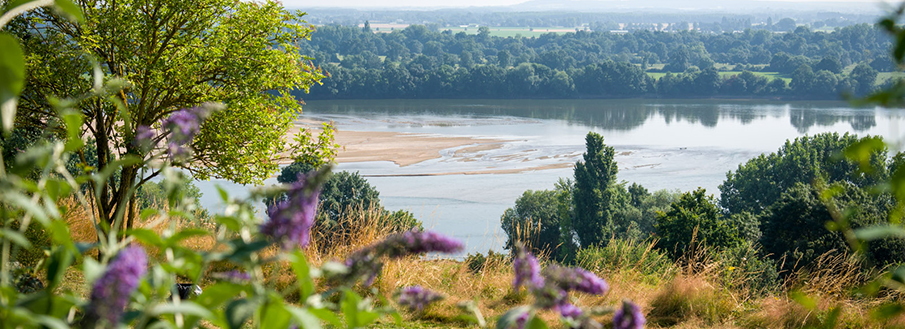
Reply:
x=619, y=255
x=477, y=262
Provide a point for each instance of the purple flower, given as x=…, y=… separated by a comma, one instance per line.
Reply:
x=291, y=220
x=144, y=138
x=522, y=320
x=365, y=263
x=568, y=310
x=182, y=127
x=111, y=292
x=417, y=242
x=628, y=317
x=527, y=270
x=577, y=279
x=417, y=298
x=234, y=276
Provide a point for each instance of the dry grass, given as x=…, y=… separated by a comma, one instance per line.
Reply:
x=698, y=291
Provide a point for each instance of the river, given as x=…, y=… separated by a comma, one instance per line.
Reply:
x=661, y=144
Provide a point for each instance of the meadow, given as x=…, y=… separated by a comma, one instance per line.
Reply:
x=700, y=290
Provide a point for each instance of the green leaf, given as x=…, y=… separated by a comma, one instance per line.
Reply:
x=306, y=319
x=804, y=300
x=146, y=236
x=219, y=293
x=275, y=315
x=60, y=260
x=73, y=122
x=243, y=250
x=185, y=234
x=69, y=10
x=51, y=322
x=508, y=319
x=15, y=237
x=185, y=307
x=887, y=311
x=356, y=315
x=224, y=196
x=536, y=323
x=238, y=312
x=92, y=269
x=60, y=234
x=147, y=213
x=879, y=232
x=23, y=202
x=327, y=315
x=12, y=78
x=302, y=274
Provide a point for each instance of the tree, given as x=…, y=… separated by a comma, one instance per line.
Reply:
x=594, y=179
x=794, y=227
x=785, y=24
x=803, y=80
x=172, y=55
x=831, y=64
x=694, y=216
x=864, y=77
x=760, y=182
x=535, y=221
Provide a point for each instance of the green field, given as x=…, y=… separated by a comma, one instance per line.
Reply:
x=885, y=76
x=504, y=32
x=726, y=74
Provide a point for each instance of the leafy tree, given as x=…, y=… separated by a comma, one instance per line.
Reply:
x=761, y=181
x=171, y=55
x=535, y=221
x=831, y=64
x=864, y=77
x=785, y=24
x=794, y=227
x=694, y=216
x=593, y=194
x=344, y=191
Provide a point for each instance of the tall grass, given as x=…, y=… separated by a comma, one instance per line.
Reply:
x=704, y=288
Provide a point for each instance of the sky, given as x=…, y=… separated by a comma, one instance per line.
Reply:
x=463, y=3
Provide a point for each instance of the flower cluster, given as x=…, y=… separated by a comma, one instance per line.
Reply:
x=182, y=126
x=417, y=298
x=366, y=264
x=111, y=292
x=577, y=279
x=291, y=219
x=628, y=317
x=551, y=286
x=144, y=138
x=527, y=271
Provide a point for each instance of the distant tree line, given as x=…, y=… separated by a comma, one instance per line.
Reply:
x=596, y=21
x=418, y=62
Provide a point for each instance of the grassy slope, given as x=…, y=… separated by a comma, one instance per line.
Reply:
x=696, y=293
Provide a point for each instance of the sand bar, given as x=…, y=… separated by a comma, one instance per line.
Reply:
x=403, y=149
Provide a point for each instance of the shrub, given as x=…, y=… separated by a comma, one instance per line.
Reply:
x=633, y=255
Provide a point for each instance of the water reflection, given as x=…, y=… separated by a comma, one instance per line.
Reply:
x=616, y=115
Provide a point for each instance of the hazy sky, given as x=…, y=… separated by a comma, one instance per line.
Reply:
x=462, y=3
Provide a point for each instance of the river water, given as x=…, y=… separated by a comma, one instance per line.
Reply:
x=661, y=144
